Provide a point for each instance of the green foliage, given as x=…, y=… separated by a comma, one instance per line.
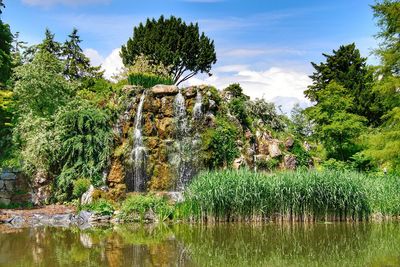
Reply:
x=85, y=138
x=148, y=80
x=335, y=126
x=77, y=64
x=301, y=125
x=347, y=68
x=100, y=206
x=384, y=145
x=81, y=185
x=303, y=195
x=267, y=165
x=139, y=205
x=260, y=109
x=238, y=108
x=38, y=143
x=236, y=91
x=49, y=45
x=387, y=12
x=173, y=43
x=40, y=87
x=302, y=156
x=219, y=144
x=5, y=53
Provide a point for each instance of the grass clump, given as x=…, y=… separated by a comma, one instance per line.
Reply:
x=100, y=206
x=148, y=80
x=231, y=195
x=81, y=185
x=138, y=207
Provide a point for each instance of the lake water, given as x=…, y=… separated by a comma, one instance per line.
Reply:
x=337, y=244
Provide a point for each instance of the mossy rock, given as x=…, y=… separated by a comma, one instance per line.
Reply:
x=162, y=178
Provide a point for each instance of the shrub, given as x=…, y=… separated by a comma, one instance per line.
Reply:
x=100, y=206
x=139, y=205
x=85, y=138
x=80, y=186
x=219, y=144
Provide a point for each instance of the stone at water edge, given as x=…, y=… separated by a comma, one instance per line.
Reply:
x=87, y=197
x=161, y=89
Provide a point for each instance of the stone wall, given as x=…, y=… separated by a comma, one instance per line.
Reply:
x=14, y=188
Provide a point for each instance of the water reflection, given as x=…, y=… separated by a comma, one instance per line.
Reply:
x=193, y=245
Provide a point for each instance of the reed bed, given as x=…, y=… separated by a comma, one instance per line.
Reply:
x=304, y=195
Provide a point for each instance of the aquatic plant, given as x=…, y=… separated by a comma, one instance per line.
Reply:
x=231, y=195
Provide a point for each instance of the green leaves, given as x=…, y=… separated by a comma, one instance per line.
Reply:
x=173, y=43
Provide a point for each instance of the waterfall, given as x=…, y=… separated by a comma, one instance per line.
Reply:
x=138, y=154
x=180, y=114
x=197, y=112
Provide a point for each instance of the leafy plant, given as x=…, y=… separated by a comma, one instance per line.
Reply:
x=100, y=206
x=148, y=80
x=81, y=185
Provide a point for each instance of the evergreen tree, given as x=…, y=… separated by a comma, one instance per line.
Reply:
x=50, y=45
x=174, y=44
x=347, y=68
x=77, y=65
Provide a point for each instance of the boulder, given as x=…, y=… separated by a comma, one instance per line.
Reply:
x=87, y=197
x=165, y=127
x=290, y=162
x=273, y=148
x=167, y=106
x=289, y=142
x=162, y=90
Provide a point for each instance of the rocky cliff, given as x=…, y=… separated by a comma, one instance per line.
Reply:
x=161, y=136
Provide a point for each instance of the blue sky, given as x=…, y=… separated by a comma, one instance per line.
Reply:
x=265, y=45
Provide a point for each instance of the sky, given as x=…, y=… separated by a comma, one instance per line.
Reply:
x=265, y=45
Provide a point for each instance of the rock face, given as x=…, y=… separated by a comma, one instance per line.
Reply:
x=14, y=187
x=87, y=197
x=173, y=123
x=165, y=90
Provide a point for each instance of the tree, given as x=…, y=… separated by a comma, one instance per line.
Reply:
x=173, y=43
x=388, y=14
x=301, y=125
x=1, y=6
x=6, y=38
x=40, y=87
x=85, y=136
x=347, y=68
x=335, y=125
x=77, y=65
x=266, y=112
x=50, y=45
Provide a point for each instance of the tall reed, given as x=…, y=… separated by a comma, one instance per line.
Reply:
x=231, y=195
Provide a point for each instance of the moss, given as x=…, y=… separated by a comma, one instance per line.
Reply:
x=161, y=179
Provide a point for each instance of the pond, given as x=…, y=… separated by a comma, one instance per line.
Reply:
x=334, y=244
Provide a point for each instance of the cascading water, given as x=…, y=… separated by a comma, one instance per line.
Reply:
x=185, y=155
x=138, y=154
x=197, y=112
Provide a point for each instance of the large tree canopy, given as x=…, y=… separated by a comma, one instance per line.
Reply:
x=347, y=68
x=173, y=43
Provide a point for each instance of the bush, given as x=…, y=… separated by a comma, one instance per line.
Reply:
x=219, y=144
x=100, y=206
x=85, y=137
x=139, y=205
x=80, y=186
x=148, y=80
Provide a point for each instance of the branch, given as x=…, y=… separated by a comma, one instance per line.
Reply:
x=187, y=77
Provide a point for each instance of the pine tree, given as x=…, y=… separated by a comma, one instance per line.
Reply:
x=50, y=45
x=77, y=65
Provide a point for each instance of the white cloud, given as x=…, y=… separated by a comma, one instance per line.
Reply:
x=112, y=64
x=95, y=58
x=231, y=68
x=48, y=3
x=282, y=86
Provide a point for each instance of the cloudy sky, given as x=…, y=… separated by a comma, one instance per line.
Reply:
x=265, y=45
